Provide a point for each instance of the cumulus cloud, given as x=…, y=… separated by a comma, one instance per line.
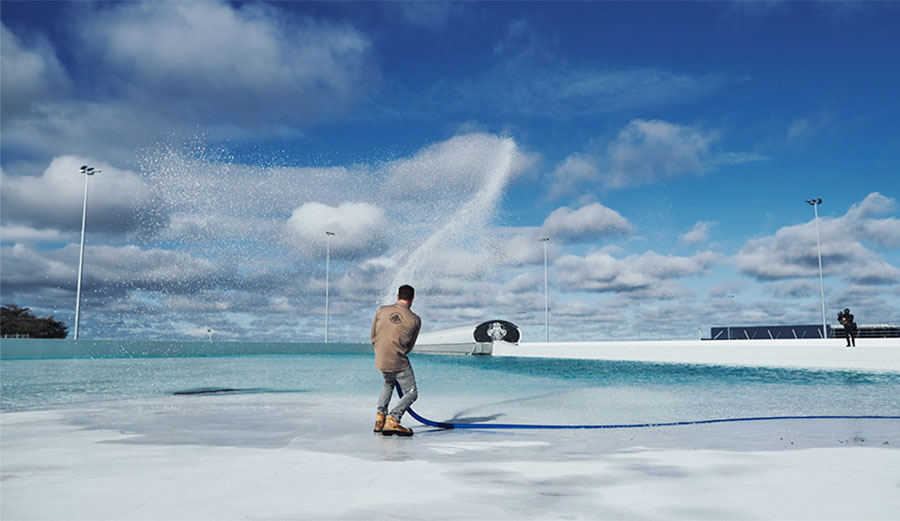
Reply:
x=59, y=127
x=698, y=234
x=792, y=252
x=26, y=267
x=244, y=61
x=647, y=274
x=860, y=220
x=577, y=171
x=119, y=201
x=727, y=288
x=644, y=152
x=588, y=223
x=18, y=233
x=154, y=269
x=28, y=73
x=110, y=270
x=358, y=228
x=234, y=71
x=793, y=288
x=522, y=246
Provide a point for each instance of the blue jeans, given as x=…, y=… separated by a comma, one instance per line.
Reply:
x=407, y=381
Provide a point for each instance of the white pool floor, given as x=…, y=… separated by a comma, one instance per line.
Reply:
x=314, y=456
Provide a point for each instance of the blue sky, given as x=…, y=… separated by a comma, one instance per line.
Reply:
x=665, y=148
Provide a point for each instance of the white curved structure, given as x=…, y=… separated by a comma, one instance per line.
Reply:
x=469, y=339
x=870, y=354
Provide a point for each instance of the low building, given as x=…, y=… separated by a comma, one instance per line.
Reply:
x=870, y=331
x=800, y=331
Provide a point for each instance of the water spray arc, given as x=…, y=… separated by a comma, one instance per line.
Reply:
x=87, y=171
x=497, y=172
x=815, y=204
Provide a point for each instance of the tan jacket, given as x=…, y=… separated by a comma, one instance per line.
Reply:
x=394, y=333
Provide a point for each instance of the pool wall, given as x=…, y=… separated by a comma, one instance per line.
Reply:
x=11, y=348
x=871, y=354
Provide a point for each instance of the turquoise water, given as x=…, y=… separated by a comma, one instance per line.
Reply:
x=460, y=387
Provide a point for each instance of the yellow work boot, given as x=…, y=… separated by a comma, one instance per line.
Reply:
x=379, y=422
x=392, y=426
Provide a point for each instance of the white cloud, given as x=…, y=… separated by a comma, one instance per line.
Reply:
x=244, y=62
x=860, y=220
x=698, y=234
x=109, y=270
x=794, y=288
x=522, y=246
x=26, y=267
x=525, y=282
x=727, y=288
x=28, y=73
x=211, y=229
x=792, y=251
x=251, y=71
x=119, y=201
x=649, y=151
x=17, y=233
x=358, y=228
x=56, y=127
x=648, y=274
x=576, y=171
x=588, y=223
x=153, y=269
x=644, y=152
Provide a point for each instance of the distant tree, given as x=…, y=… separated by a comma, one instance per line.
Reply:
x=21, y=321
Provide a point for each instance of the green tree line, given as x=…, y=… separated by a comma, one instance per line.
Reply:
x=16, y=321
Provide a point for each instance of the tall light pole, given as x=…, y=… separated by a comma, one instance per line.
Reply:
x=815, y=204
x=87, y=171
x=545, y=240
x=729, y=325
x=328, y=236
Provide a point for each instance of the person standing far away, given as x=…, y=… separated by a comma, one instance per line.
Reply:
x=846, y=320
x=394, y=333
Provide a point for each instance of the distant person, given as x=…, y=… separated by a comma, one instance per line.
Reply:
x=846, y=320
x=394, y=333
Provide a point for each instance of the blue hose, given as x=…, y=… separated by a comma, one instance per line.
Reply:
x=451, y=425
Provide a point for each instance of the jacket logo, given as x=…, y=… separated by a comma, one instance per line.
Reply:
x=396, y=318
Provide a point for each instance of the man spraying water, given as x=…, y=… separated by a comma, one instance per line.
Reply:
x=394, y=333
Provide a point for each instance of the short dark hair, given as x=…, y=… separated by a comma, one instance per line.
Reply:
x=406, y=292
